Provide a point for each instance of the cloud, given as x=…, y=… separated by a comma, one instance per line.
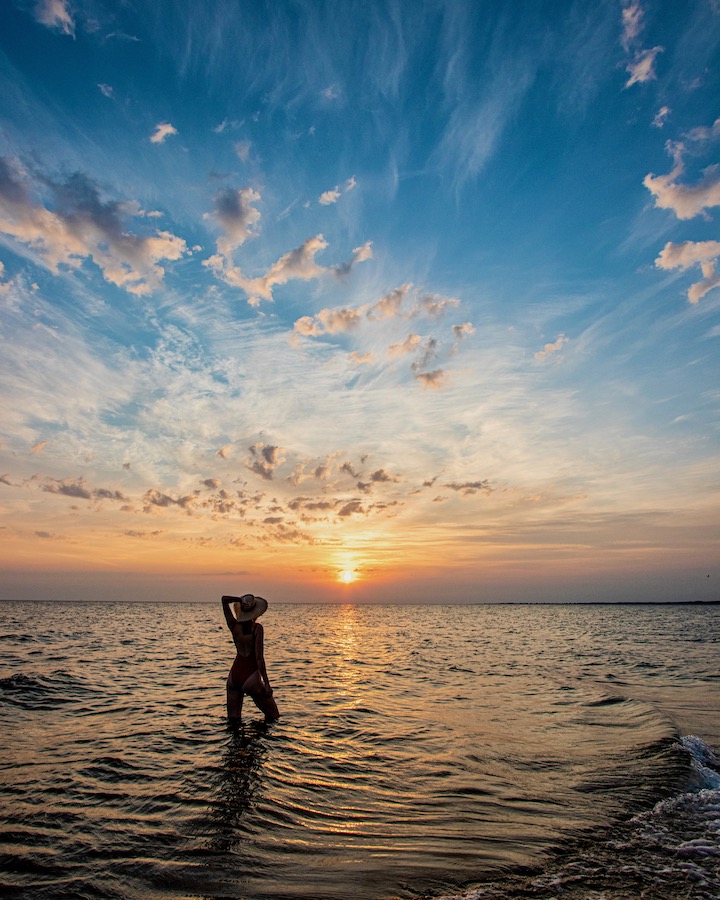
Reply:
x=55, y=14
x=265, y=458
x=242, y=150
x=224, y=452
x=162, y=131
x=435, y=379
x=661, y=116
x=549, y=349
x=632, y=15
x=39, y=447
x=298, y=264
x=434, y=305
x=642, y=67
x=81, y=225
x=359, y=254
x=361, y=359
x=704, y=134
x=470, y=487
x=328, y=197
x=686, y=201
x=107, y=91
x=461, y=331
x=333, y=195
x=409, y=345
x=691, y=253
x=389, y=306
x=236, y=215
x=155, y=497
x=78, y=489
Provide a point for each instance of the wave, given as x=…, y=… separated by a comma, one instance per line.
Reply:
x=43, y=692
x=665, y=852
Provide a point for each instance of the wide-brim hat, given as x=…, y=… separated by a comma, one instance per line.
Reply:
x=249, y=607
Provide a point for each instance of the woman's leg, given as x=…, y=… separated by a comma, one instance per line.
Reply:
x=262, y=698
x=234, y=701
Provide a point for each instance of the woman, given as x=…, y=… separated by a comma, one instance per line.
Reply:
x=248, y=674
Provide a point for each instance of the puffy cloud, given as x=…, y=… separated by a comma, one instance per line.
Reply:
x=236, y=215
x=264, y=459
x=409, y=345
x=686, y=201
x=642, y=67
x=359, y=254
x=80, y=226
x=435, y=306
x=162, y=131
x=435, y=379
x=549, y=349
x=298, y=264
x=39, y=447
x=155, y=497
x=691, y=253
x=68, y=489
x=381, y=475
x=328, y=197
x=361, y=359
x=329, y=321
x=390, y=305
x=333, y=195
x=55, y=14
x=78, y=489
x=461, y=331
x=470, y=487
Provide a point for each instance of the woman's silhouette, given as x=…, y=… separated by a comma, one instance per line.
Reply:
x=248, y=674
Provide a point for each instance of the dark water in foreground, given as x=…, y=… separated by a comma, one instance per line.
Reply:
x=482, y=751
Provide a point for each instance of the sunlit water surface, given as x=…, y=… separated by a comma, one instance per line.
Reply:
x=421, y=750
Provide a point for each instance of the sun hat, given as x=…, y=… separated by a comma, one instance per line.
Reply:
x=248, y=607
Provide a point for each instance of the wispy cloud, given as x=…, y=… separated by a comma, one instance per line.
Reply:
x=661, y=117
x=632, y=23
x=55, y=14
x=642, y=67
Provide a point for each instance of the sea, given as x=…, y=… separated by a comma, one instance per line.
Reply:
x=472, y=752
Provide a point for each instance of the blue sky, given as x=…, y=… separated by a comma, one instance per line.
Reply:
x=422, y=297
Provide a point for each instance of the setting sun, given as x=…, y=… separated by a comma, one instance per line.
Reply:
x=347, y=576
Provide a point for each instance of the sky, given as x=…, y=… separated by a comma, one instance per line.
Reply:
x=390, y=301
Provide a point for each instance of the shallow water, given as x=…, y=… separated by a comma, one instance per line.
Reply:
x=420, y=750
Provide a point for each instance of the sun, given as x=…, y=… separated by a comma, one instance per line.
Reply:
x=347, y=576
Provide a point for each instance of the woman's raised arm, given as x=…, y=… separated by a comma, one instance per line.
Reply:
x=229, y=617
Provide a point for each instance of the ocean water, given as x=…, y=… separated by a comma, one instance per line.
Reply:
x=467, y=752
